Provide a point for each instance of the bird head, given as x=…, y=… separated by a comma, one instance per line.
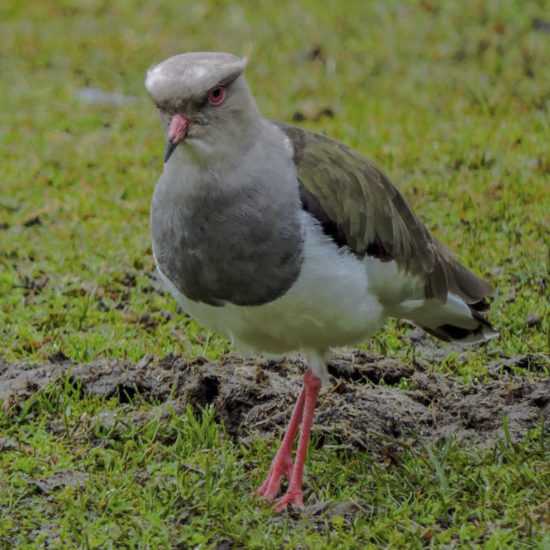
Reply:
x=204, y=103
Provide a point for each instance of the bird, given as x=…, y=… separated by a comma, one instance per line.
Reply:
x=284, y=240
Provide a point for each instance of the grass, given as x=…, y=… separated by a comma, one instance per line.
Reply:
x=138, y=492
x=451, y=99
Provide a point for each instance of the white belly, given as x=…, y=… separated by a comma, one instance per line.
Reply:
x=329, y=305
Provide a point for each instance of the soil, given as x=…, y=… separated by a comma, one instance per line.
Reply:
x=366, y=409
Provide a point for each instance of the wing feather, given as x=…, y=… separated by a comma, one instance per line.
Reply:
x=374, y=218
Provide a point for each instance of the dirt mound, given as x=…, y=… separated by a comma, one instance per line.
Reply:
x=364, y=410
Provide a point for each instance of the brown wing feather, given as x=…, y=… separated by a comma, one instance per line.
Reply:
x=371, y=214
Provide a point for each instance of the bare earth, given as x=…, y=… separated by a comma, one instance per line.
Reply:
x=254, y=398
x=364, y=410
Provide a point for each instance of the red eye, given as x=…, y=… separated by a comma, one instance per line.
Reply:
x=217, y=95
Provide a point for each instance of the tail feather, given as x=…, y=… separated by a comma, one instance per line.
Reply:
x=454, y=333
x=453, y=320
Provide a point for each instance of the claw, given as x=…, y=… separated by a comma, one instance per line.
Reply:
x=293, y=497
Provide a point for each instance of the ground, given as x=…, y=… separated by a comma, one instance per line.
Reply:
x=364, y=409
x=125, y=424
x=380, y=410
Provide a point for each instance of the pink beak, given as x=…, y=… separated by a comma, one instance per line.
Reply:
x=179, y=127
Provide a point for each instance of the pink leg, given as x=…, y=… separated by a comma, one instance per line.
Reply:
x=282, y=463
x=293, y=495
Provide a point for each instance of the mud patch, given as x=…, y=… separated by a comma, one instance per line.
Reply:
x=254, y=398
x=60, y=479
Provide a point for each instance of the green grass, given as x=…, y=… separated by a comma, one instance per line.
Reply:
x=451, y=99
x=180, y=481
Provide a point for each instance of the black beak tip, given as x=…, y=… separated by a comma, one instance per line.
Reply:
x=170, y=148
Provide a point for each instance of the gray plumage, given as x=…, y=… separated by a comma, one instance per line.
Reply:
x=215, y=246
x=209, y=233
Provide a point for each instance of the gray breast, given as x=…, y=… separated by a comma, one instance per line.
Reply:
x=243, y=245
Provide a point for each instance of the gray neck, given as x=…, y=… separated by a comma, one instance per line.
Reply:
x=231, y=235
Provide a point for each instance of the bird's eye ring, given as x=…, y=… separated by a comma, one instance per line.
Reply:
x=216, y=95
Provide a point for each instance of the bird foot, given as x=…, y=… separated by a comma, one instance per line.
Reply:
x=281, y=467
x=292, y=496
